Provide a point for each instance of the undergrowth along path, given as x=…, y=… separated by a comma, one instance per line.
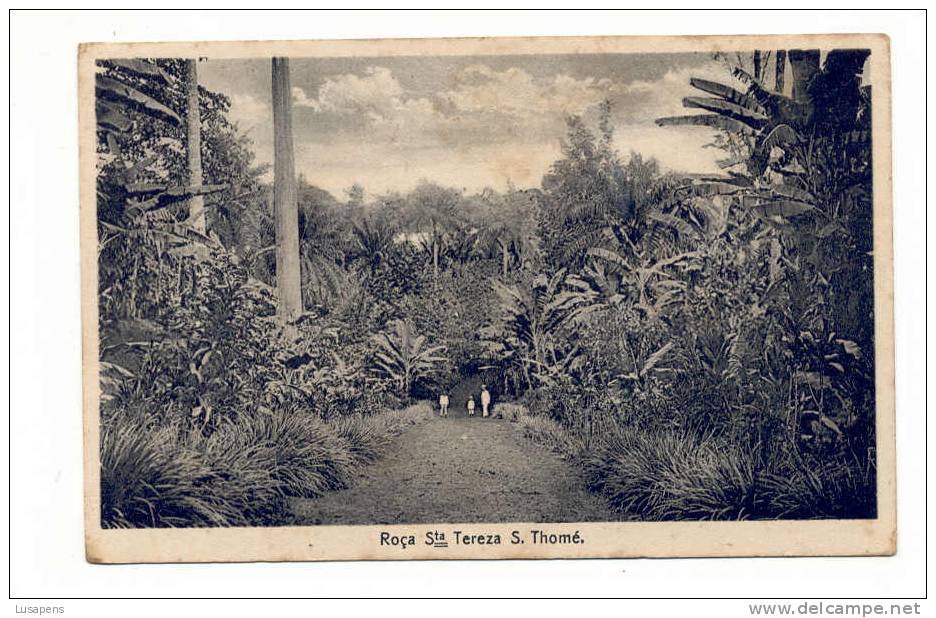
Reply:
x=459, y=469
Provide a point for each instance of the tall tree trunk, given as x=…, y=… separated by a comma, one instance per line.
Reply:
x=757, y=64
x=435, y=252
x=781, y=70
x=196, y=203
x=288, y=287
x=504, y=258
x=804, y=64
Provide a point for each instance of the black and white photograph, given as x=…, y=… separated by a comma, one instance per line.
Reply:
x=498, y=299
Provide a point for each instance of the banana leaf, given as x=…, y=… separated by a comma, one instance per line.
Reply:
x=683, y=227
x=709, y=189
x=731, y=162
x=783, y=208
x=793, y=193
x=140, y=67
x=111, y=117
x=175, y=194
x=726, y=92
x=714, y=121
x=753, y=119
x=113, y=90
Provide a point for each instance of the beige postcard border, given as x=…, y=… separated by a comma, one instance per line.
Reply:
x=598, y=540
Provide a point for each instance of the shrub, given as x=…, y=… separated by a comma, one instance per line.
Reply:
x=812, y=487
x=366, y=436
x=670, y=475
x=303, y=454
x=512, y=412
x=363, y=437
x=405, y=358
x=550, y=434
x=241, y=474
x=147, y=480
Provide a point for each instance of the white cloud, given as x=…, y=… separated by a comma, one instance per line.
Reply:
x=381, y=167
x=301, y=99
x=479, y=88
x=646, y=100
x=486, y=126
x=248, y=110
x=480, y=105
x=680, y=149
x=376, y=95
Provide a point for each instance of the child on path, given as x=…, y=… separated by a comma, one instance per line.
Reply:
x=471, y=406
x=443, y=404
x=485, y=401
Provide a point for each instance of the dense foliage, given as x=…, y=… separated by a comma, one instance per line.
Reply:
x=723, y=325
x=701, y=345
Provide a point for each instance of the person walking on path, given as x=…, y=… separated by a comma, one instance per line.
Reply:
x=485, y=401
x=443, y=404
x=471, y=405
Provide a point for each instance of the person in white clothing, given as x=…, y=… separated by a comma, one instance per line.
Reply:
x=471, y=406
x=443, y=404
x=485, y=401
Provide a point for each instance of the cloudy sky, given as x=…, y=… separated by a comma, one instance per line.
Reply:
x=463, y=121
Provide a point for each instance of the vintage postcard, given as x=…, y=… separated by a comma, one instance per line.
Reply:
x=487, y=298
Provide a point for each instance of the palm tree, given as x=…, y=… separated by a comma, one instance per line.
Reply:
x=434, y=210
x=508, y=225
x=780, y=72
x=285, y=202
x=404, y=357
x=374, y=241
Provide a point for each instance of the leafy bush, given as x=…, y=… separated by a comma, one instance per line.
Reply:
x=512, y=412
x=300, y=452
x=404, y=357
x=549, y=434
x=368, y=436
x=670, y=476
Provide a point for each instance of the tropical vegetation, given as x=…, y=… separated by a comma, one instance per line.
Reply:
x=701, y=345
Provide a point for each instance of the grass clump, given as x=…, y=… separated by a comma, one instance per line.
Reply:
x=512, y=412
x=549, y=434
x=672, y=475
x=148, y=481
x=242, y=474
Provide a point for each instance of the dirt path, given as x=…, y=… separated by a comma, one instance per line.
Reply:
x=459, y=469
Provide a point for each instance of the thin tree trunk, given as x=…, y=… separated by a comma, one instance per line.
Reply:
x=504, y=259
x=435, y=252
x=781, y=69
x=196, y=204
x=804, y=64
x=757, y=65
x=288, y=288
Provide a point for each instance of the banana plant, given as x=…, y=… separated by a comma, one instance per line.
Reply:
x=404, y=357
x=117, y=101
x=596, y=288
x=644, y=367
x=655, y=283
x=785, y=168
x=529, y=329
